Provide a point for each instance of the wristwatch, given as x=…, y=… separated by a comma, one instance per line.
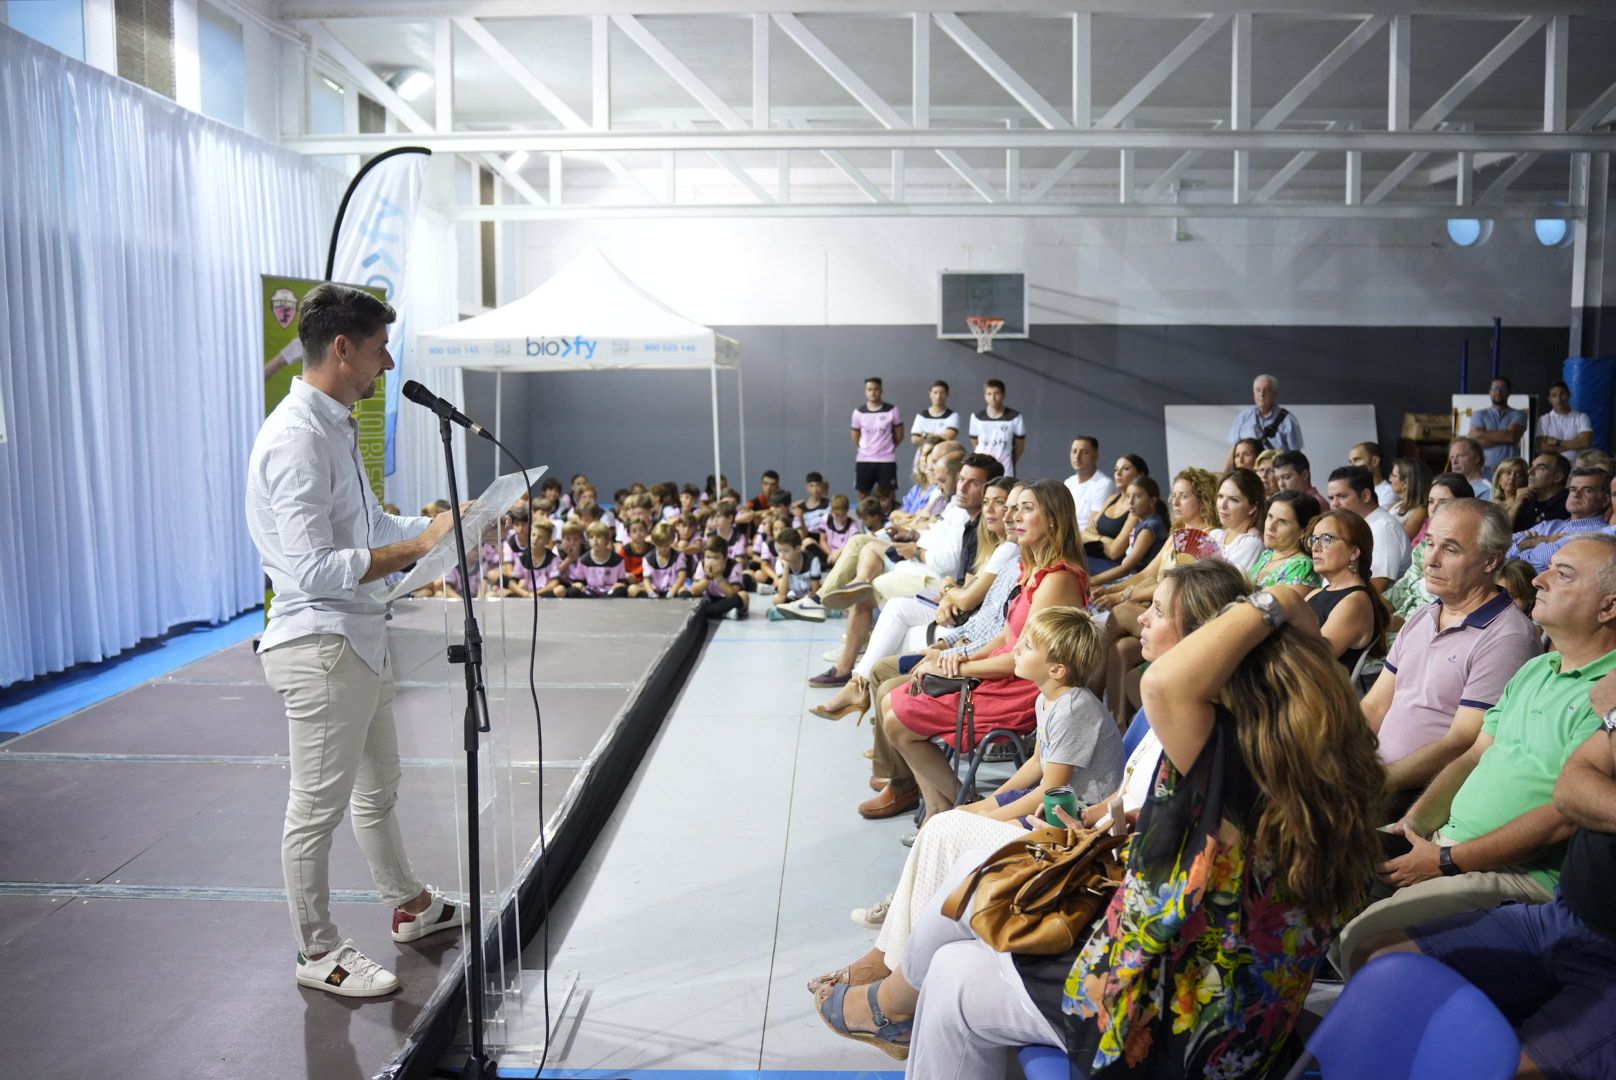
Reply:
x=1445, y=863
x=1267, y=605
x=1610, y=721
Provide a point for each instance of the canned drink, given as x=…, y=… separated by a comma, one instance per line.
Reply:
x=1063, y=797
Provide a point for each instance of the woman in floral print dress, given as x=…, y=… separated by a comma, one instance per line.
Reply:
x=1255, y=845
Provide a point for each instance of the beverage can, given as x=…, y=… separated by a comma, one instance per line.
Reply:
x=1063, y=797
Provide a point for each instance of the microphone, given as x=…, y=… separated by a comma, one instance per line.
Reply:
x=422, y=396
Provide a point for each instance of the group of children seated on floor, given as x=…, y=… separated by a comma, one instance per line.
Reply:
x=667, y=541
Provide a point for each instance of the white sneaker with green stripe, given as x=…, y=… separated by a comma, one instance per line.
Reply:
x=347, y=972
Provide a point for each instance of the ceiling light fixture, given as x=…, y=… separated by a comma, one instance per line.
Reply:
x=410, y=82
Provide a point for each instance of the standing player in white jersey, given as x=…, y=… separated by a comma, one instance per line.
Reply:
x=997, y=430
x=937, y=418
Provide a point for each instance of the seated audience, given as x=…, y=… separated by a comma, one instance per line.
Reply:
x=1245, y=454
x=1052, y=575
x=1351, y=615
x=1284, y=561
x=1186, y=974
x=1551, y=967
x=1078, y=747
x=1146, y=535
x=1105, y=538
x=1265, y=471
x=1191, y=502
x=1352, y=488
x=1485, y=830
x=1563, y=430
x=600, y=571
x=538, y=566
x=840, y=526
x=664, y=569
x=1367, y=455
x=1510, y=488
x=1410, y=592
x=1091, y=489
x=902, y=617
x=881, y=572
x=1545, y=499
x=1241, y=506
x=1292, y=472
x=636, y=549
x=1587, y=501
x=717, y=582
x=1453, y=657
x=797, y=573
x=1465, y=458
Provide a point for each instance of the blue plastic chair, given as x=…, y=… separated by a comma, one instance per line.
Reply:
x=1135, y=734
x=1044, y=1063
x=1407, y=1016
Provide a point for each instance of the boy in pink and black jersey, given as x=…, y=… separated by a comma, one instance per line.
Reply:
x=877, y=429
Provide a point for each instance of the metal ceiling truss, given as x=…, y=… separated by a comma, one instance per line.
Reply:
x=869, y=157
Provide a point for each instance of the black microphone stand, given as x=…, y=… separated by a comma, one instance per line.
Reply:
x=469, y=654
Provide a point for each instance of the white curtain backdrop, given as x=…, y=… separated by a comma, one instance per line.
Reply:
x=132, y=237
x=418, y=477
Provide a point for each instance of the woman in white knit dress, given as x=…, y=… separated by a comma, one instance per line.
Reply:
x=1186, y=597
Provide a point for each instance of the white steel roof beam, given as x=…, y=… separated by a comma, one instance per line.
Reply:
x=1314, y=79
x=1164, y=70
x=1444, y=106
x=1001, y=72
x=1601, y=112
x=837, y=69
x=688, y=80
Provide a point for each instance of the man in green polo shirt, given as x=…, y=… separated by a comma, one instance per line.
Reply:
x=1486, y=830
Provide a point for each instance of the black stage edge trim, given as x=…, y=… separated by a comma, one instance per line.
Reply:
x=588, y=802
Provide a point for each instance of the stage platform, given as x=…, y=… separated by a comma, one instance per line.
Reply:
x=143, y=922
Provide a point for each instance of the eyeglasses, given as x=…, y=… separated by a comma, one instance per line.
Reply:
x=1321, y=541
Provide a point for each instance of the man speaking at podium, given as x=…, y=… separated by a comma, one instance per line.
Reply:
x=326, y=545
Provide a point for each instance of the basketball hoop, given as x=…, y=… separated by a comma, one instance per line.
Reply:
x=984, y=328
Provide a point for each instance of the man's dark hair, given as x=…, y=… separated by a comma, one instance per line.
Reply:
x=716, y=545
x=1372, y=449
x=986, y=462
x=869, y=507
x=1361, y=479
x=876, y=379
x=770, y=474
x=994, y=384
x=329, y=311
x=1561, y=467
x=690, y=489
x=550, y=483
x=1292, y=459
x=813, y=478
x=519, y=514
x=1092, y=440
x=1560, y=384
x=780, y=498
x=788, y=536
x=941, y=383
x=1503, y=379
x=1585, y=470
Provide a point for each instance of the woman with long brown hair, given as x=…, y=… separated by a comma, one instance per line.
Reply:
x=1052, y=574
x=1253, y=847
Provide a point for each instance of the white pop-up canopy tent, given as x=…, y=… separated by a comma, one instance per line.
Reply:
x=588, y=317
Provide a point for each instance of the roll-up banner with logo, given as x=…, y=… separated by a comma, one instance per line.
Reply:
x=369, y=245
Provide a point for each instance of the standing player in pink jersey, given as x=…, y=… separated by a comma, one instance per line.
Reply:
x=877, y=428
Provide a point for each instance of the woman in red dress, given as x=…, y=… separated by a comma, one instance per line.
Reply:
x=1053, y=574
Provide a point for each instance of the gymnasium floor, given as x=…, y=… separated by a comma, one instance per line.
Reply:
x=725, y=878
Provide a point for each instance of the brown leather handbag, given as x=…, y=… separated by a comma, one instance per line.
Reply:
x=1039, y=895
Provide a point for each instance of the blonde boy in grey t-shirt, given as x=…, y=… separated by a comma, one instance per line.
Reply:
x=1079, y=745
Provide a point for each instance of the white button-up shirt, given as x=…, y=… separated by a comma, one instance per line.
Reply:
x=314, y=522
